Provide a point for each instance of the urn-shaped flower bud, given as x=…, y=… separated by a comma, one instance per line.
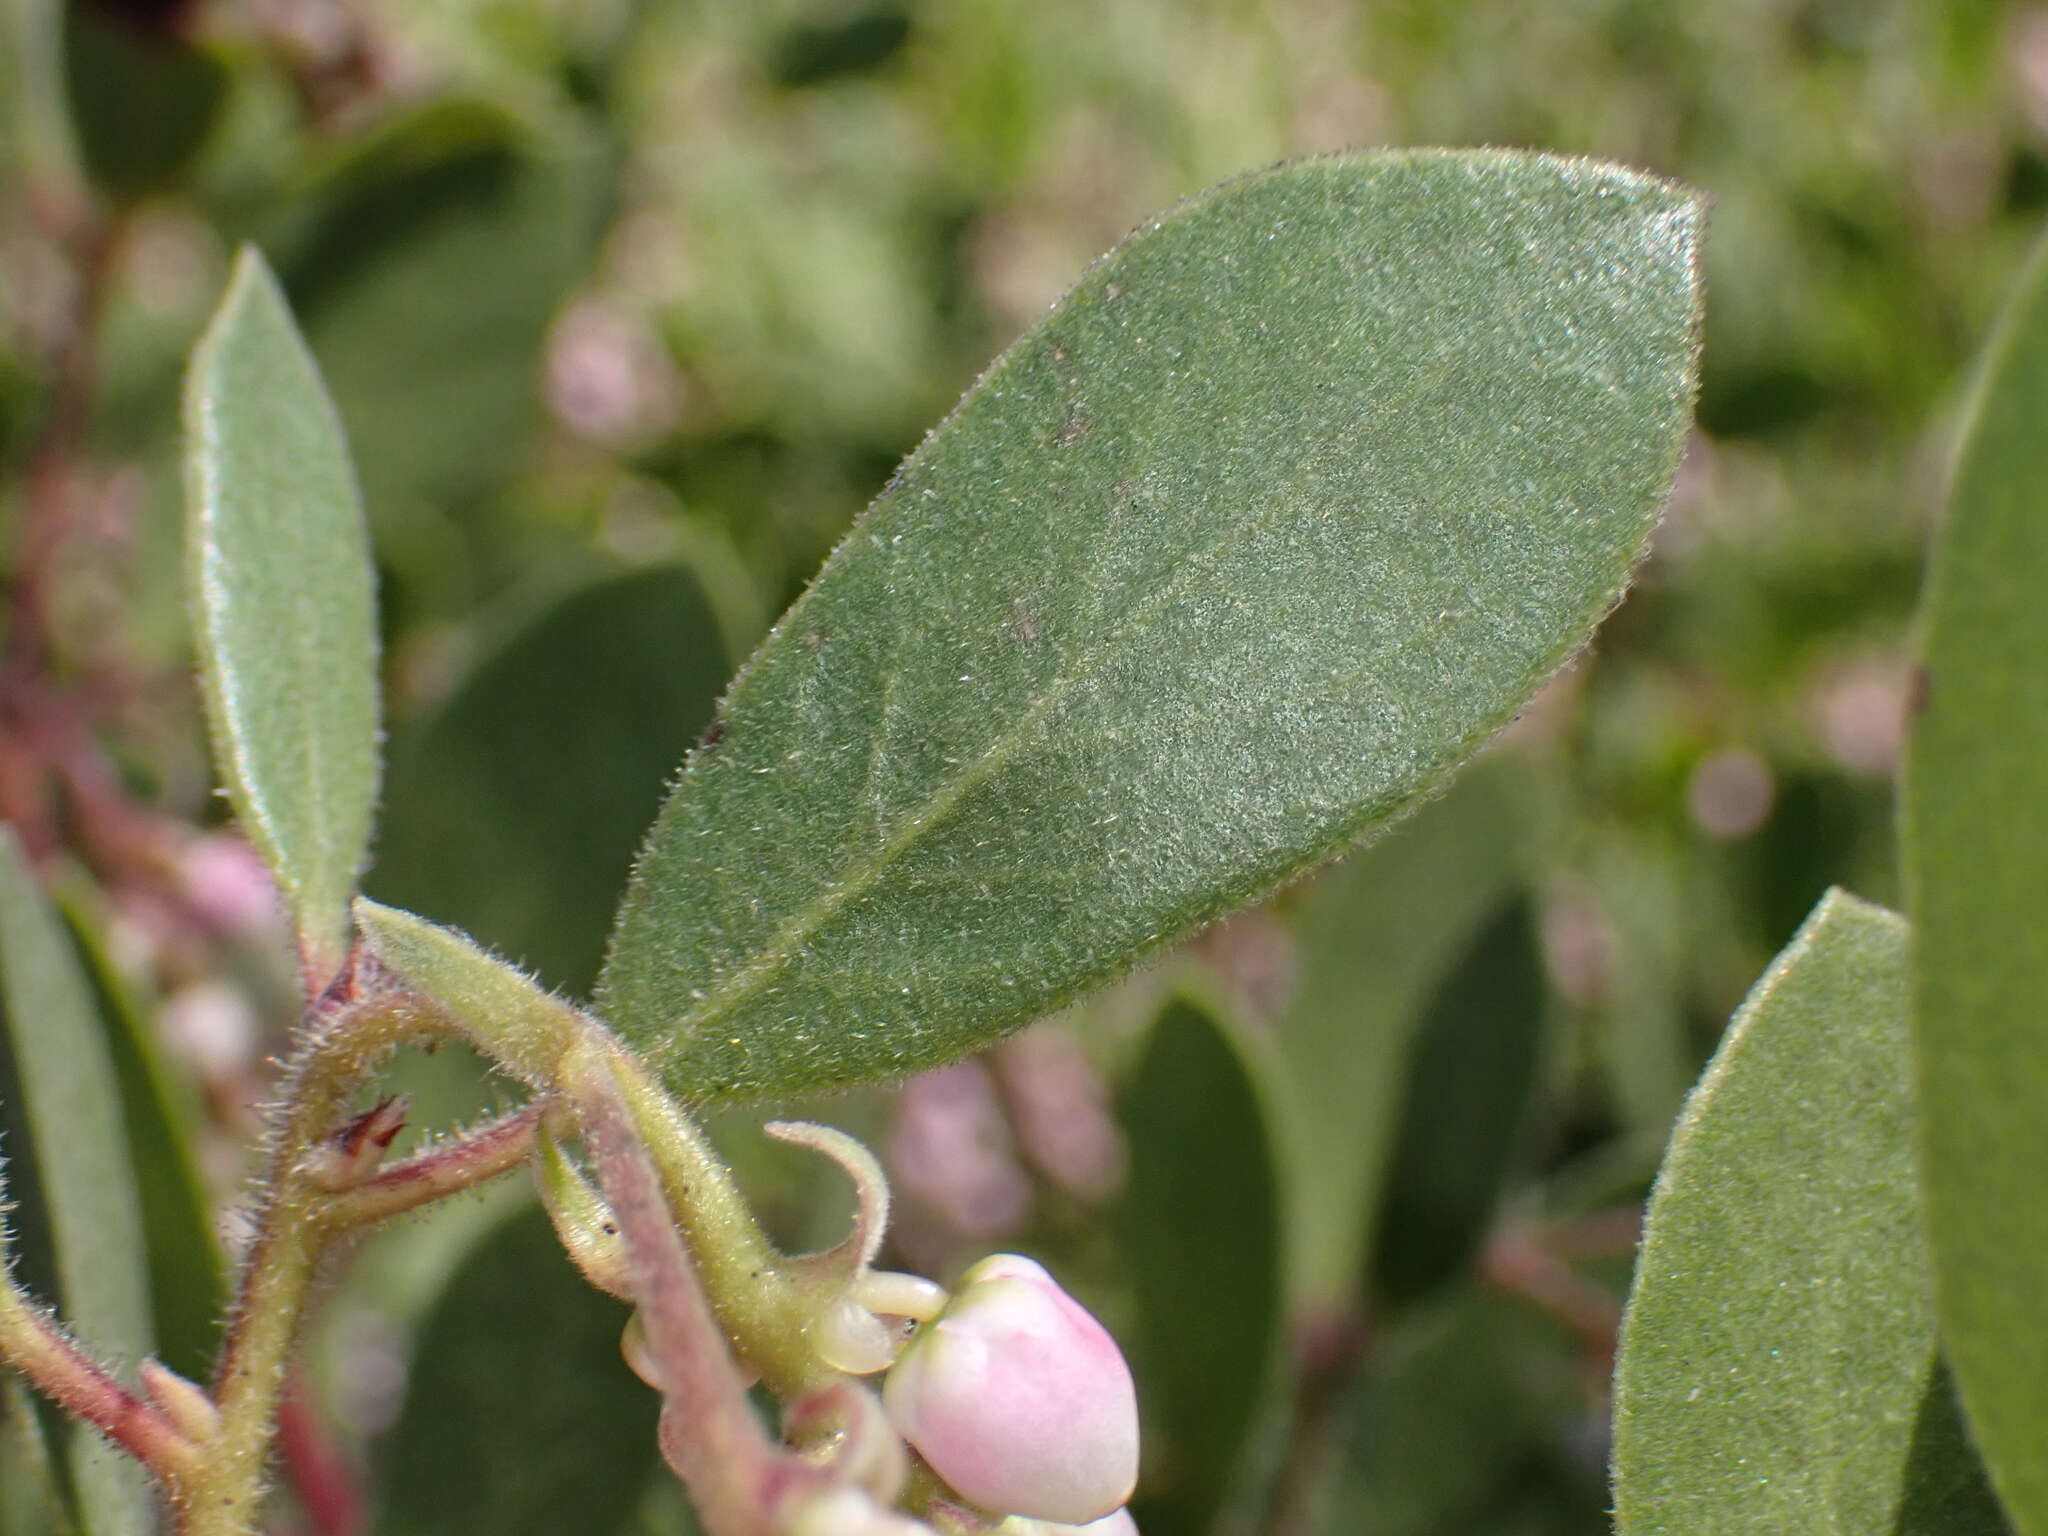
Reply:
x=1019, y=1398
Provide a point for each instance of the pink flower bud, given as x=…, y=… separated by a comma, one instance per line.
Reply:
x=1019, y=1398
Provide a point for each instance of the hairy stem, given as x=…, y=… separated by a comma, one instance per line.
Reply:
x=462, y=1162
x=294, y=1227
x=755, y=1289
x=32, y=1343
x=739, y=1480
x=760, y=1296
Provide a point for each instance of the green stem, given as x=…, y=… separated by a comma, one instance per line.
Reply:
x=293, y=1230
x=760, y=1295
x=753, y=1287
x=739, y=1480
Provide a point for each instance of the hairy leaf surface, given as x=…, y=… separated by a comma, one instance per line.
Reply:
x=1778, y=1369
x=1974, y=853
x=279, y=572
x=1298, y=496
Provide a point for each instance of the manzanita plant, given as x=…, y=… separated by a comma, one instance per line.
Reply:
x=1299, y=496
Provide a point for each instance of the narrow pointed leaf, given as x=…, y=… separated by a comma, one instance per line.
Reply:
x=1779, y=1354
x=279, y=573
x=82, y=1242
x=187, y=1271
x=1974, y=853
x=1297, y=497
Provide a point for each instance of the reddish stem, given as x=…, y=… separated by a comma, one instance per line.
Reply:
x=457, y=1164
x=1516, y=1261
x=739, y=1481
x=319, y=1473
x=33, y=1343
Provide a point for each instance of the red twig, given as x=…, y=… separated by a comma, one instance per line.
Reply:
x=33, y=1343
x=319, y=1473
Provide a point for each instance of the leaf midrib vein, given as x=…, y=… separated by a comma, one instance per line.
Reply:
x=753, y=976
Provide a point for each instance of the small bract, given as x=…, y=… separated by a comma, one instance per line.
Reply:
x=1019, y=1398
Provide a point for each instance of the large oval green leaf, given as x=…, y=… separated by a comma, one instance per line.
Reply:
x=279, y=572
x=1298, y=496
x=1975, y=859
x=1778, y=1370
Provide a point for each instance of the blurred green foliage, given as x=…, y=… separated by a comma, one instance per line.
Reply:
x=619, y=298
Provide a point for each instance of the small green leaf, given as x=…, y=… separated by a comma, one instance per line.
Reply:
x=1300, y=494
x=82, y=1239
x=279, y=572
x=1470, y=1084
x=1780, y=1336
x=520, y=1415
x=514, y=811
x=1199, y=1227
x=1378, y=936
x=1973, y=835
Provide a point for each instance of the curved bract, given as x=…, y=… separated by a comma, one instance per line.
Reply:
x=1300, y=494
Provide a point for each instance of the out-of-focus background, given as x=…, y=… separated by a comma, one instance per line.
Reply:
x=630, y=306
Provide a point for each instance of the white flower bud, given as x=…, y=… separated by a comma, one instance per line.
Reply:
x=1118, y=1524
x=1019, y=1398
x=849, y=1511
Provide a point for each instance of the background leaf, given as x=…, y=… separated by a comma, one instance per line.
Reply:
x=1298, y=495
x=187, y=1272
x=30, y=1503
x=514, y=810
x=1199, y=1226
x=1457, y=1426
x=1469, y=1089
x=1378, y=936
x=425, y=276
x=279, y=572
x=1780, y=1339
x=142, y=98
x=78, y=1229
x=520, y=1415
x=1974, y=829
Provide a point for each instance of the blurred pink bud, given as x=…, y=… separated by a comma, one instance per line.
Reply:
x=229, y=885
x=1019, y=1398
